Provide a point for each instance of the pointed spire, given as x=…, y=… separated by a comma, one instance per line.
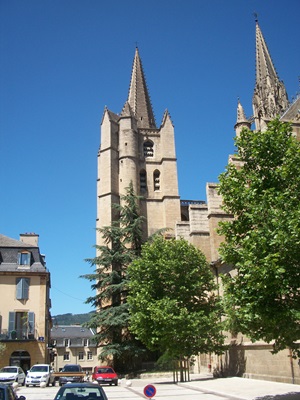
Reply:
x=138, y=97
x=270, y=97
x=241, y=120
x=241, y=116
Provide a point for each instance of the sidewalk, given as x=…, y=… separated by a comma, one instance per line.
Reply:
x=244, y=389
x=236, y=388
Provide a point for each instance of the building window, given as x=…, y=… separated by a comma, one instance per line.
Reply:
x=156, y=180
x=21, y=325
x=24, y=258
x=67, y=342
x=81, y=355
x=67, y=356
x=22, y=286
x=143, y=181
x=89, y=355
x=85, y=342
x=148, y=149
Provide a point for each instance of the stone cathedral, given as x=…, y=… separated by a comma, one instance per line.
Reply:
x=133, y=148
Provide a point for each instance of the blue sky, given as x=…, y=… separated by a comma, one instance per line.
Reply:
x=63, y=61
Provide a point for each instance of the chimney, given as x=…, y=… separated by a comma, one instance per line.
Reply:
x=30, y=238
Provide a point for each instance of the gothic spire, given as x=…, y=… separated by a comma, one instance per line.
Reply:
x=241, y=117
x=270, y=97
x=241, y=120
x=138, y=97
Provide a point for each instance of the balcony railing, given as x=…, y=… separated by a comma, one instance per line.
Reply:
x=17, y=334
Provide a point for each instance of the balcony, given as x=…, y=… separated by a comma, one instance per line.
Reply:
x=17, y=334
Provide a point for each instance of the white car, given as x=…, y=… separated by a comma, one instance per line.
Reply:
x=12, y=374
x=40, y=373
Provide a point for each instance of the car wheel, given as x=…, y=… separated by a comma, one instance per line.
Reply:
x=116, y=383
x=27, y=385
x=23, y=383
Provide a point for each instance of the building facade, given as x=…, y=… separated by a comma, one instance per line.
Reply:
x=73, y=344
x=25, y=307
x=133, y=148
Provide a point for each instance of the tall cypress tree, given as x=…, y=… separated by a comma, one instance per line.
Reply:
x=122, y=244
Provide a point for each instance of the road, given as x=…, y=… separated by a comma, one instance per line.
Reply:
x=201, y=387
x=164, y=390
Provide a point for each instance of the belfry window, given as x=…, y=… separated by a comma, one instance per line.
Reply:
x=148, y=149
x=156, y=180
x=143, y=181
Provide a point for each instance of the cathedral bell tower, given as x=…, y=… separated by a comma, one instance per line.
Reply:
x=134, y=149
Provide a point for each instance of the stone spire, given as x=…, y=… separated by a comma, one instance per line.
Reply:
x=241, y=120
x=270, y=97
x=138, y=97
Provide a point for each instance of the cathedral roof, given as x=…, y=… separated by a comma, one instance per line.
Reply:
x=138, y=97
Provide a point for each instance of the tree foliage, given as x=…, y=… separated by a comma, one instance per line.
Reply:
x=173, y=307
x=263, y=240
x=122, y=244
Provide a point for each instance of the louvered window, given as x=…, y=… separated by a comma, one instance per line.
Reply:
x=148, y=149
x=143, y=181
x=156, y=180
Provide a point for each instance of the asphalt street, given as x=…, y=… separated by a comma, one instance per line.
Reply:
x=201, y=387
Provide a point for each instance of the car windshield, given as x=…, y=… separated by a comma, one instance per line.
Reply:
x=80, y=393
x=71, y=368
x=9, y=369
x=105, y=371
x=39, y=368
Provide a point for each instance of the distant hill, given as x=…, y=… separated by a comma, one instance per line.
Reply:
x=72, y=319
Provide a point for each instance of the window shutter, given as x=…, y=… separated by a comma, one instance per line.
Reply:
x=31, y=322
x=22, y=288
x=19, y=288
x=11, y=321
x=25, y=288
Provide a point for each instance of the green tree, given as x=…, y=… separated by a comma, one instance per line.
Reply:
x=263, y=240
x=122, y=244
x=173, y=305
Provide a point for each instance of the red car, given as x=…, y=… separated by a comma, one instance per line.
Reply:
x=105, y=375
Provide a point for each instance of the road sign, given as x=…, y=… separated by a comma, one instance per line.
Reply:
x=149, y=391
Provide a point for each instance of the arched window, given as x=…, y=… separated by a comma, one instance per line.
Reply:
x=148, y=149
x=156, y=180
x=143, y=181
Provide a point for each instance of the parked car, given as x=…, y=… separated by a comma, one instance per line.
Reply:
x=12, y=374
x=74, y=373
x=86, y=391
x=105, y=375
x=7, y=393
x=40, y=373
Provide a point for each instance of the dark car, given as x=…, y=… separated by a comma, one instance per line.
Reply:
x=105, y=375
x=7, y=393
x=69, y=369
x=77, y=391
